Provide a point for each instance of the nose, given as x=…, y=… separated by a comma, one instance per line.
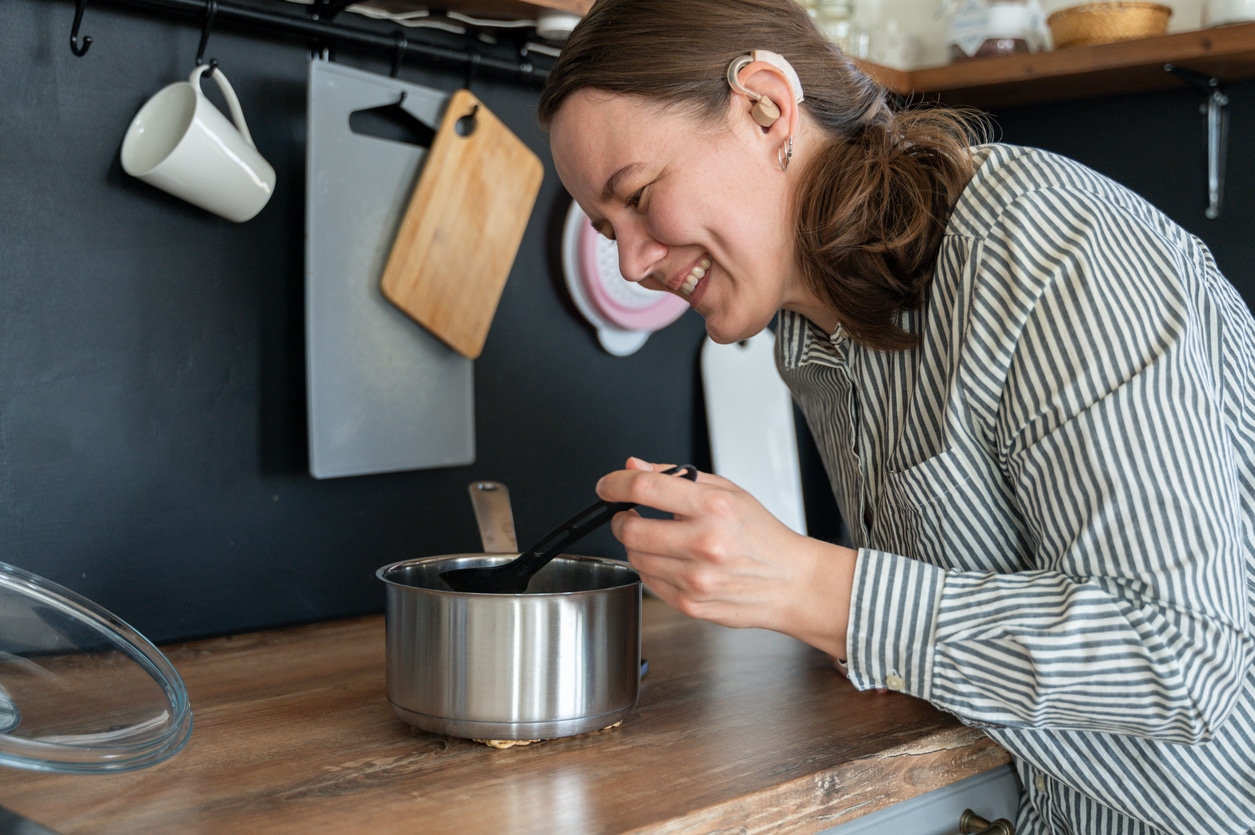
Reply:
x=639, y=252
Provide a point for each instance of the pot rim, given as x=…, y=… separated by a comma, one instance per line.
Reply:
x=631, y=576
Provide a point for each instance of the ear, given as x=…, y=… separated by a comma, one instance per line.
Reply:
x=777, y=112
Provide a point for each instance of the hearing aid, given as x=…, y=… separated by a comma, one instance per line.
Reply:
x=765, y=111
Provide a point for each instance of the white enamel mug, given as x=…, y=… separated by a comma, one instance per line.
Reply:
x=182, y=144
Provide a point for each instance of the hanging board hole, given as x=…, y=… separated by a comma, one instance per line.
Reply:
x=466, y=125
x=392, y=122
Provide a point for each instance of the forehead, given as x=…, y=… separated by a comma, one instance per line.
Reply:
x=595, y=133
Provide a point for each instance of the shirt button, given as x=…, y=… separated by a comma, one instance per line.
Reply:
x=894, y=681
x=1039, y=783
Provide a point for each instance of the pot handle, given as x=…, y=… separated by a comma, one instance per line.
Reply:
x=491, y=500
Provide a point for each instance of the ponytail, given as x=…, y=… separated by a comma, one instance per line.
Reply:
x=871, y=212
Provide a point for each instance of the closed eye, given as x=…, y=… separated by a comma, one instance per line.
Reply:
x=633, y=202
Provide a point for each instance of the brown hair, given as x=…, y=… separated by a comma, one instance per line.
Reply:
x=874, y=201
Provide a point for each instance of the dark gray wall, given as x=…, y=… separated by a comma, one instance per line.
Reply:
x=152, y=411
x=152, y=402
x=1155, y=144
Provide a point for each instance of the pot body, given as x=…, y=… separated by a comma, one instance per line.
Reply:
x=560, y=660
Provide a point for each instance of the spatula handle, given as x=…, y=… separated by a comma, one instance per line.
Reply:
x=587, y=521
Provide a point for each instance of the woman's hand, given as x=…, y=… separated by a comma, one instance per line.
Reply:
x=724, y=558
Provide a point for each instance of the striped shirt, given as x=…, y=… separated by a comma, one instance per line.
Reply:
x=1053, y=498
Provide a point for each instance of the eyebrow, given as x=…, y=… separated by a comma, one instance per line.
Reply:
x=612, y=184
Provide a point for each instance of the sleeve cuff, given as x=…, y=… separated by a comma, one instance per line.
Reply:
x=893, y=617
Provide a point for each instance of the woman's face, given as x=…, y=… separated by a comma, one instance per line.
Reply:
x=699, y=210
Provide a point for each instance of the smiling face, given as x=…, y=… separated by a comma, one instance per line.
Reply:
x=699, y=210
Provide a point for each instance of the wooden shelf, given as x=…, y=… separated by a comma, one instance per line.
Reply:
x=1226, y=53
x=488, y=9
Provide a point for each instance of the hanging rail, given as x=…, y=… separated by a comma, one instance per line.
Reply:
x=325, y=32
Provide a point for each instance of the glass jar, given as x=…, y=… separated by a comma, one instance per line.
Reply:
x=981, y=29
x=835, y=19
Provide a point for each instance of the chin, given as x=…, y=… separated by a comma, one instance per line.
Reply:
x=728, y=336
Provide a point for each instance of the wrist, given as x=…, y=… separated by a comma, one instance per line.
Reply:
x=821, y=615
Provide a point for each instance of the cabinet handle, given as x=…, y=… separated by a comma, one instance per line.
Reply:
x=971, y=823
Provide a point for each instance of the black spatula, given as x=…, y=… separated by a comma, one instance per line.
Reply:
x=513, y=577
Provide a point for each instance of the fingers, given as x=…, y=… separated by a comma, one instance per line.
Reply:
x=655, y=547
x=714, y=551
x=645, y=484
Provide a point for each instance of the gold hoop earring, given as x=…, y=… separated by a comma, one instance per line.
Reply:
x=784, y=154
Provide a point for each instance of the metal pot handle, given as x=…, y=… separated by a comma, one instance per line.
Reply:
x=491, y=500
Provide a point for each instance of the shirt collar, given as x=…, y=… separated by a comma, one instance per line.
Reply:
x=800, y=341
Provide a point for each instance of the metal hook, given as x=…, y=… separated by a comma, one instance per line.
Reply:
x=328, y=9
x=211, y=12
x=525, y=63
x=1216, y=116
x=79, y=49
x=472, y=65
x=325, y=10
x=398, y=53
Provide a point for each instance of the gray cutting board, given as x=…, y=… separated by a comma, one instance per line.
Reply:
x=383, y=393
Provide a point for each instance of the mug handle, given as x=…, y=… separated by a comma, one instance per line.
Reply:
x=233, y=103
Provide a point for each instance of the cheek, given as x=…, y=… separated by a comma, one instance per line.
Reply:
x=689, y=217
x=709, y=198
x=673, y=225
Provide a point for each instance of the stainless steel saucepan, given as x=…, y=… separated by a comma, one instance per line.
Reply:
x=559, y=660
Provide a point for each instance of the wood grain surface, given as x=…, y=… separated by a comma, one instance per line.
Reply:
x=1226, y=53
x=735, y=730
x=461, y=230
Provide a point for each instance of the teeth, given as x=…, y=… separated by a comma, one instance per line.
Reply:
x=698, y=273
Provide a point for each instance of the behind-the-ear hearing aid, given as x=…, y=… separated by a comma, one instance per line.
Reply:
x=765, y=111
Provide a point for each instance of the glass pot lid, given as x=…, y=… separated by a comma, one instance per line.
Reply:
x=80, y=690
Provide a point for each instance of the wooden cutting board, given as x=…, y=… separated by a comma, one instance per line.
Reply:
x=456, y=244
x=383, y=393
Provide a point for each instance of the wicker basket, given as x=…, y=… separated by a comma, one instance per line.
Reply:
x=1095, y=23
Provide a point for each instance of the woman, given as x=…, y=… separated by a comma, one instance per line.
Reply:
x=1033, y=393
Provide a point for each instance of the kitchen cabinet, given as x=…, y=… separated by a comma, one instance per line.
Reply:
x=1225, y=53
x=737, y=730
x=488, y=9
x=1222, y=53
x=993, y=795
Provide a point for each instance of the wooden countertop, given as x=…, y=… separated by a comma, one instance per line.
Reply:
x=739, y=729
